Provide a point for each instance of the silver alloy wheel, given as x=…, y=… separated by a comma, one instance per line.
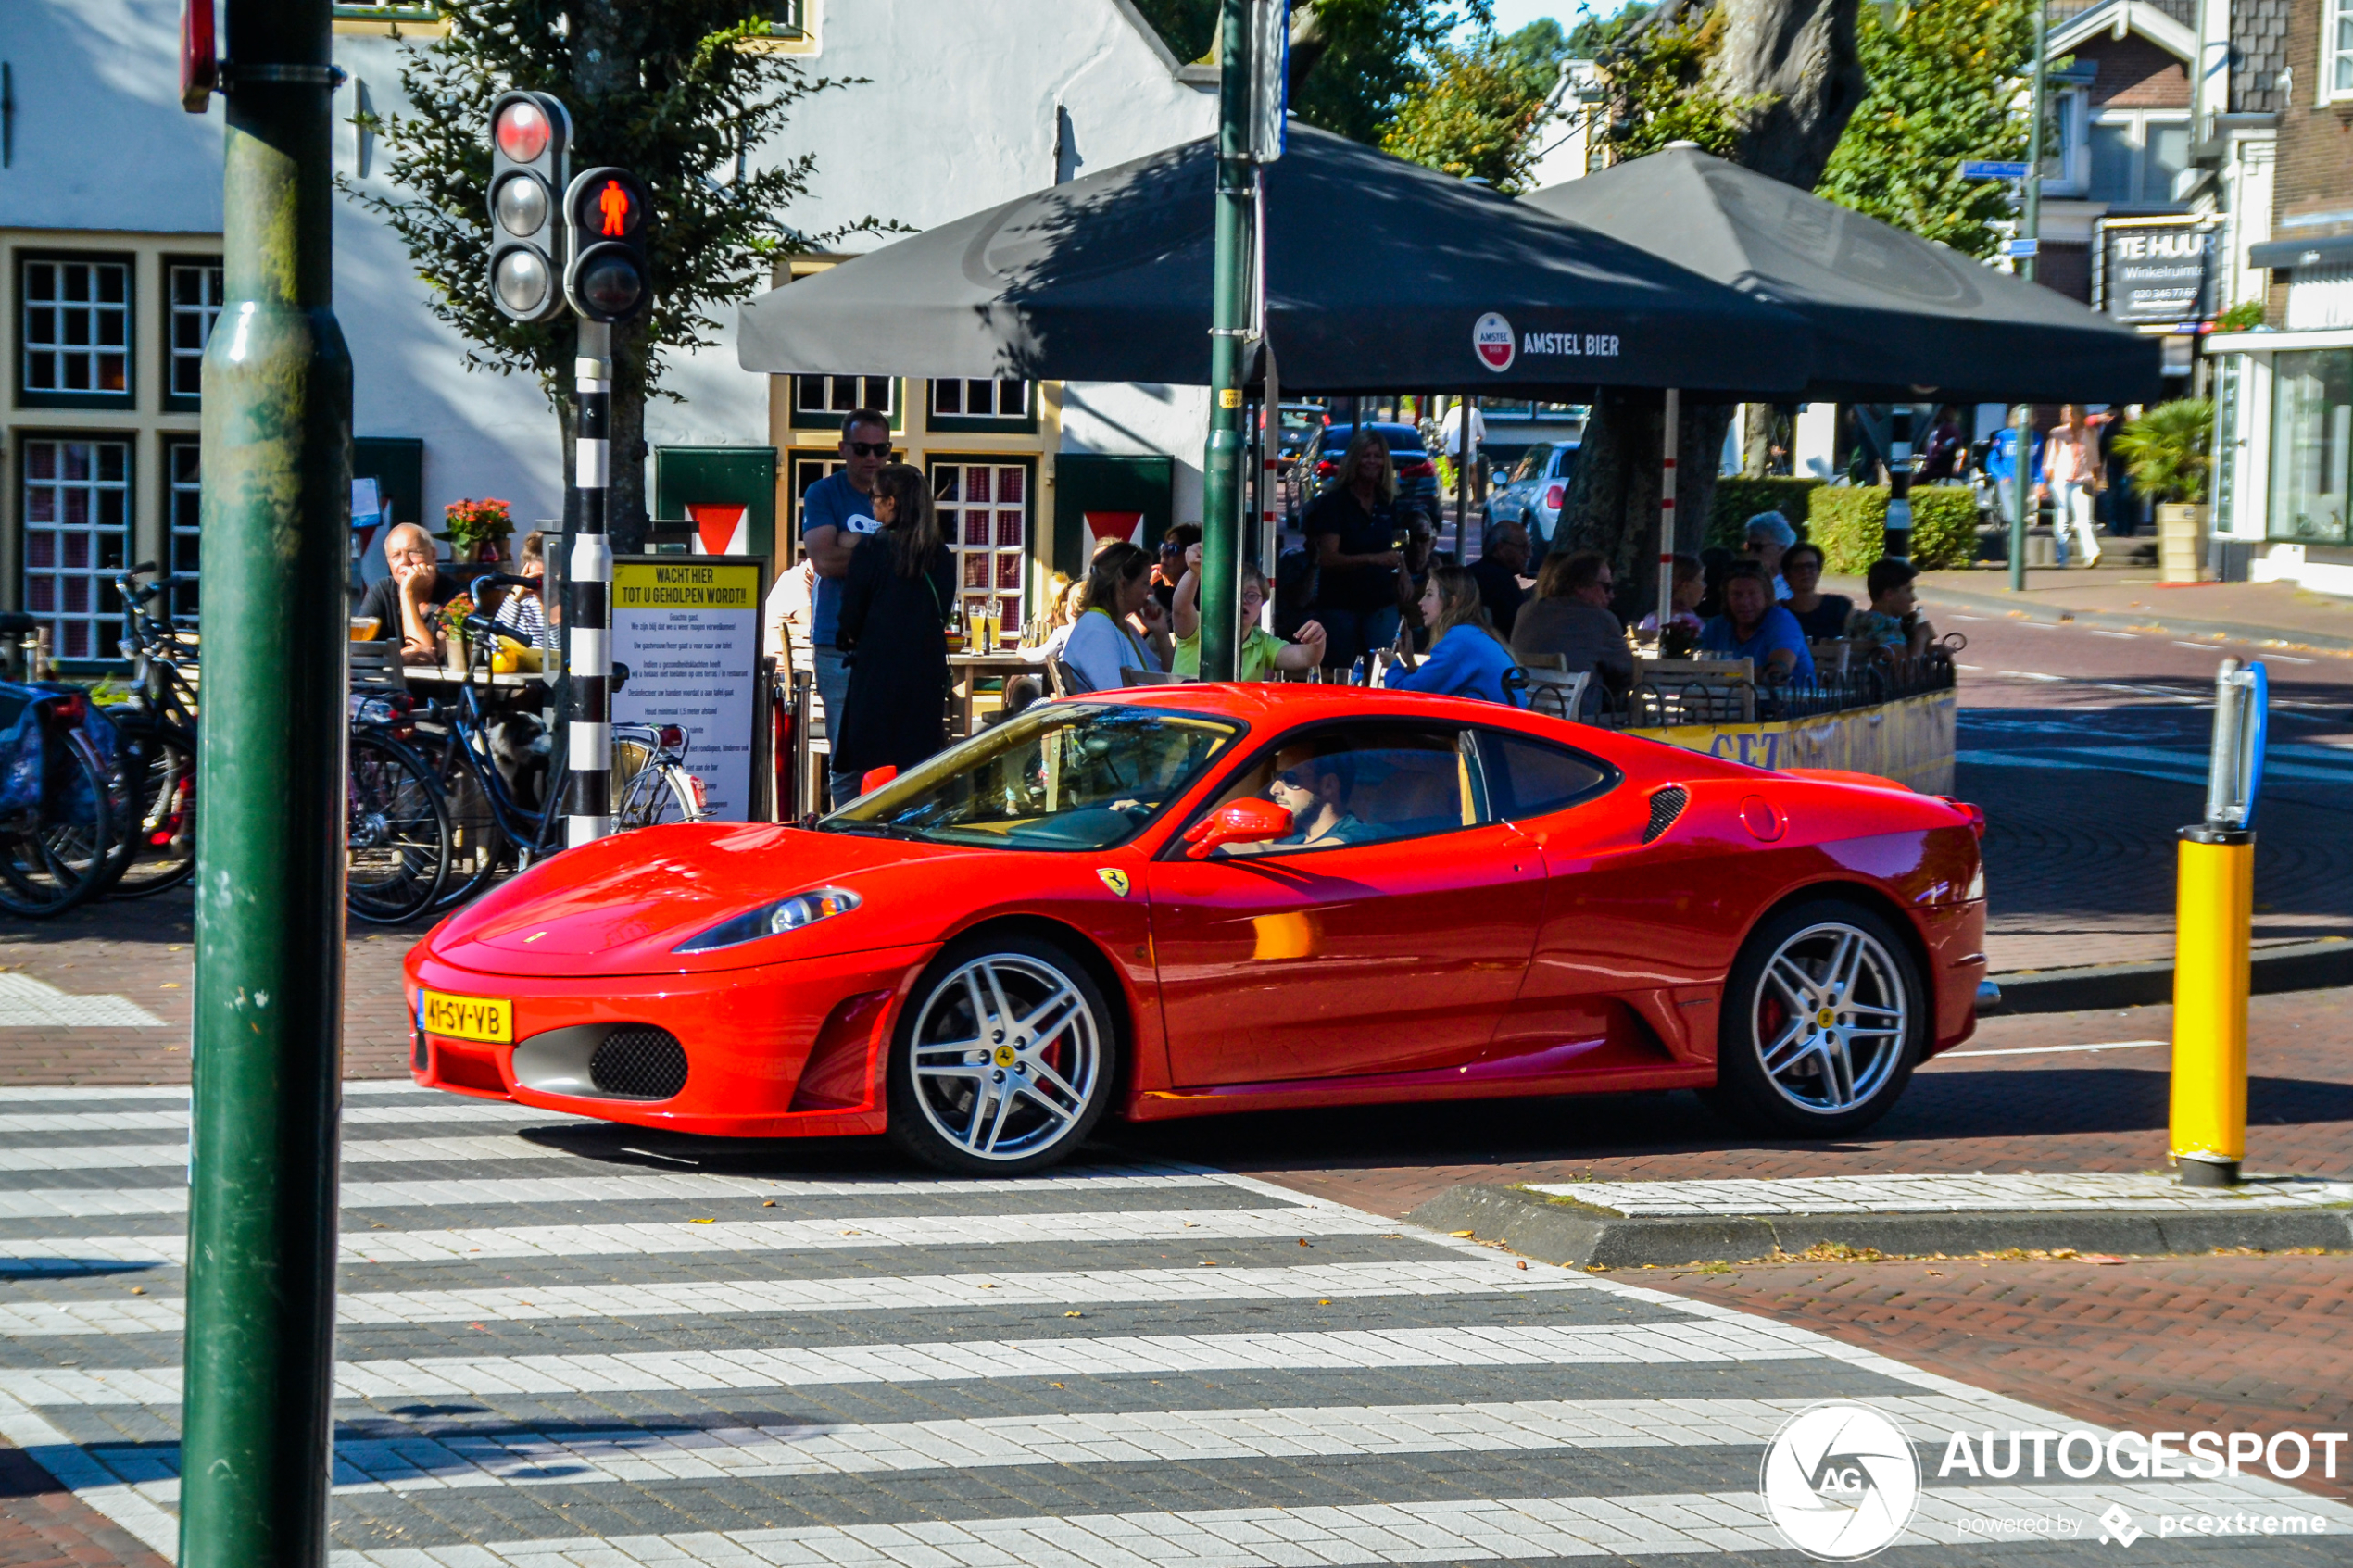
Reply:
x=1832, y=1017
x=1007, y=1056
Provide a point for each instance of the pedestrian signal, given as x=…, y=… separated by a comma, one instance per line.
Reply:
x=530, y=144
x=607, y=224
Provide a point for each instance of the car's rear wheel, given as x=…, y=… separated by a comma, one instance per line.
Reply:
x=1824, y=1017
x=1004, y=1059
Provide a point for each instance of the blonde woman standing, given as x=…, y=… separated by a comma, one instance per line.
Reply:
x=2072, y=477
x=1352, y=535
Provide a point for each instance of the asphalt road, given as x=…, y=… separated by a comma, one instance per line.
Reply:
x=2088, y=749
x=567, y=1344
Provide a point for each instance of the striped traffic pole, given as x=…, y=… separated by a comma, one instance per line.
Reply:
x=587, y=597
x=1672, y=437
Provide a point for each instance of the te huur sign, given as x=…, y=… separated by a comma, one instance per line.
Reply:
x=2157, y=272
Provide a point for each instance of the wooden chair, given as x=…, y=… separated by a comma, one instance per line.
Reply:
x=376, y=667
x=1065, y=680
x=1552, y=690
x=1131, y=676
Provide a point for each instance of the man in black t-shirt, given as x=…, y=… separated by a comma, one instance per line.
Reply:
x=1498, y=573
x=405, y=604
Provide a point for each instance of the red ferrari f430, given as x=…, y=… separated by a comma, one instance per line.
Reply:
x=1185, y=900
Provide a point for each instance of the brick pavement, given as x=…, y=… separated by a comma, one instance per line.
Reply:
x=43, y=1526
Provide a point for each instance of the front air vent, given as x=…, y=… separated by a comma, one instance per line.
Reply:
x=1665, y=806
x=637, y=1061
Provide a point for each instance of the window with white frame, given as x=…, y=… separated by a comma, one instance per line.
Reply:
x=76, y=324
x=984, y=515
x=184, y=503
x=76, y=504
x=2131, y=157
x=2336, y=49
x=195, y=289
x=981, y=399
x=841, y=394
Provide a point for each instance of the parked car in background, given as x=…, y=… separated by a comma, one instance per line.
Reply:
x=1300, y=423
x=1417, y=472
x=1532, y=493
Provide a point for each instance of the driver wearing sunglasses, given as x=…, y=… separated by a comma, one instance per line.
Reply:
x=1314, y=791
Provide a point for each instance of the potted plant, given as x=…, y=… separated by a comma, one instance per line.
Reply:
x=474, y=529
x=2166, y=452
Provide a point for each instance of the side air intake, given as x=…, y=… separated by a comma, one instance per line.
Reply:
x=1665, y=806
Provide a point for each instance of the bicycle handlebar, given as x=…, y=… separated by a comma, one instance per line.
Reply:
x=503, y=579
x=483, y=626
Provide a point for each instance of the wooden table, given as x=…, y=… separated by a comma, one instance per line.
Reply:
x=966, y=670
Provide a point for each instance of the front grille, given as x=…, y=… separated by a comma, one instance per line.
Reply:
x=1665, y=806
x=637, y=1061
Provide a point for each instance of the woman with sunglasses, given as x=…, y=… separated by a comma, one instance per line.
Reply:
x=1821, y=616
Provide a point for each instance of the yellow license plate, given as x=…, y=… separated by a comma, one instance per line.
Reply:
x=489, y=1019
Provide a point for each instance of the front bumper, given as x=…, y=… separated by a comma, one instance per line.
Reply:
x=784, y=1049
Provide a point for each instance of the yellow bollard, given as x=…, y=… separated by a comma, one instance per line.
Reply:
x=2213, y=923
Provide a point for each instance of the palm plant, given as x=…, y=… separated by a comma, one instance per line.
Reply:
x=2165, y=449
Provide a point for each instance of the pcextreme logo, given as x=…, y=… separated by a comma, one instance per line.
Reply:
x=1839, y=1481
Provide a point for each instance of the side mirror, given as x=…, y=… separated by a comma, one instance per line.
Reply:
x=1244, y=822
x=874, y=778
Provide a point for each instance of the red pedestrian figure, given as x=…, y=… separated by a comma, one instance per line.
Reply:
x=612, y=202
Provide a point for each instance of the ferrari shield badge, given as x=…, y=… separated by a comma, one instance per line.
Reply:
x=1114, y=879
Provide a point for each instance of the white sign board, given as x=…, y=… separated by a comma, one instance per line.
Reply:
x=688, y=629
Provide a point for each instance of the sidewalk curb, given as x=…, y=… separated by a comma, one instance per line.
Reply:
x=2294, y=966
x=2024, y=608
x=1571, y=1233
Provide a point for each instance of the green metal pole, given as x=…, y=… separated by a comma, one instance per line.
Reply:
x=2031, y=228
x=269, y=1040
x=1229, y=318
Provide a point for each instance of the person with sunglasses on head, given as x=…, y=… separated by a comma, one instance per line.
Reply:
x=838, y=511
x=1106, y=639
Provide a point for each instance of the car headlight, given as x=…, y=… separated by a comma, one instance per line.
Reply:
x=770, y=920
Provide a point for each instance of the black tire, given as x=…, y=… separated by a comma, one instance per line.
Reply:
x=58, y=859
x=397, y=832
x=993, y=1097
x=156, y=840
x=1825, y=1015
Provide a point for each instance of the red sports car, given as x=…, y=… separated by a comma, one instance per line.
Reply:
x=1181, y=900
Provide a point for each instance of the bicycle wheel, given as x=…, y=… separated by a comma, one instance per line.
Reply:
x=477, y=843
x=397, y=845
x=156, y=848
x=56, y=857
x=655, y=793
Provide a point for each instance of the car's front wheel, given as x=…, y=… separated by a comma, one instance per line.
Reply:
x=1004, y=1059
x=1824, y=1017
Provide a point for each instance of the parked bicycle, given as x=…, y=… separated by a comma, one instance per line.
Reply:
x=506, y=779
x=56, y=819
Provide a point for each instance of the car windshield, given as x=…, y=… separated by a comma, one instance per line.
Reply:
x=1062, y=775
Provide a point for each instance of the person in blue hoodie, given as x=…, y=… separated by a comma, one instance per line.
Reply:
x=1465, y=658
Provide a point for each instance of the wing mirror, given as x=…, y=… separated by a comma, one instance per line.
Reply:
x=1244, y=822
x=874, y=778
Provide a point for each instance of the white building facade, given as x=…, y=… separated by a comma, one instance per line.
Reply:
x=109, y=236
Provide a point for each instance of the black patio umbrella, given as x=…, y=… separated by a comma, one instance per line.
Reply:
x=1380, y=274
x=1894, y=317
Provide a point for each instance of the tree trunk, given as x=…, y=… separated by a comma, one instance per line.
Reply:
x=1757, y=420
x=1796, y=60
x=1613, y=502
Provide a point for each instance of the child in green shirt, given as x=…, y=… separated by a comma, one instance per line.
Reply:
x=1262, y=652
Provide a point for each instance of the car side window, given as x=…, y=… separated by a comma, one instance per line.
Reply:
x=1527, y=777
x=1363, y=784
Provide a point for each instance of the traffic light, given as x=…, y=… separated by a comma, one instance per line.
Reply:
x=530, y=144
x=609, y=275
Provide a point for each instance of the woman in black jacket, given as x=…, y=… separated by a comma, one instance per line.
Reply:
x=894, y=626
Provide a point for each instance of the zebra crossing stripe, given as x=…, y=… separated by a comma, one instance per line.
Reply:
x=451, y=1110
x=1472, y=1530
x=627, y=1454
x=356, y=1151
x=860, y=1293
x=72, y=1203
x=945, y=1361
x=37, y=1094
x=670, y=1237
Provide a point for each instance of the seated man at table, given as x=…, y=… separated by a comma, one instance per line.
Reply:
x=1570, y=616
x=1754, y=627
x=405, y=604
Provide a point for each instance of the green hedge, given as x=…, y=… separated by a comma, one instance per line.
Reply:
x=1737, y=500
x=1850, y=523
